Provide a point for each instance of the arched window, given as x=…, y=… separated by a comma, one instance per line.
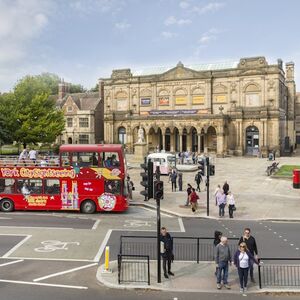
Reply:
x=122, y=135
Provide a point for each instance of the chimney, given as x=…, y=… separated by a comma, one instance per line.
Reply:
x=290, y=70
x=63, y=89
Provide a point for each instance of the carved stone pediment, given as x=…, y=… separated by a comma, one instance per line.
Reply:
x=252, y=62
x=121, y=73
x=252, y=72
x=179, y=72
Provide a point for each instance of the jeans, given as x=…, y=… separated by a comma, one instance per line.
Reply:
x=222, y=210
x=243, y=276
x=167, y=260
x=223, y=268
x=251, y=268
x=174, y=185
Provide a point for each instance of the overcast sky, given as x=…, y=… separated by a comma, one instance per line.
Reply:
x=83, y=40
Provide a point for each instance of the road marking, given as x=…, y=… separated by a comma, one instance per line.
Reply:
x=297, y=248
x=11, y=262
x=275, y=232
x=270, y=229
x=103, y=245
x=12, y=250
x=292, y=244
x=138, y=223
x=266, y=226
x=285, y=240
x=36, y=227
x=280, y=236
x=51, y=246
x=230, y=232
x=64, y=272
x=153, y=211
x=49, y=259
x=96, y=225
x=46, y=284
x=4, y=218
x=181, y=225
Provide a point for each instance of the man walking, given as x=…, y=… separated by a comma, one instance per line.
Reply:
x=226, y=188
x=221, y=201
x=222, y=259
x=198, y=179
x=173, y=178
x=252, y=247
x=166, y=250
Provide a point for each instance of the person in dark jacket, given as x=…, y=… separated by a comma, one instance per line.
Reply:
x=173, y=178
x=252, y=247
x=198, y=179
x=188, y=191
x=226, y=188
x=166, y=250
x=217, y=240
x=242, y=260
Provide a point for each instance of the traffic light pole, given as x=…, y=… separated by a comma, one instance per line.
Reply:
x=158, y=240
x=207, y=185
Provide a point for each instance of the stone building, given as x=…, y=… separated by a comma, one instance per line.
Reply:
x=241, y=108
x=83, y=114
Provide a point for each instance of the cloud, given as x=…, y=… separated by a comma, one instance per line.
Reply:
x=210, y=7
x=122, y=26
x=95, y=6
x=209, y=36
x=168, y=34
x=184, y=4
x=173, y=21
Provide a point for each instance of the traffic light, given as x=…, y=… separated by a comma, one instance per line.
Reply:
x=211, y=170
x=158, y=189
x=147, y=179
x=201, y=166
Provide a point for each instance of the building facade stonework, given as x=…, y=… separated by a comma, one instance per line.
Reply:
x=243, y=108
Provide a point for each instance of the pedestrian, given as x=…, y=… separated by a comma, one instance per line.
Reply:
x=23, y=156
x=217, y=240
x=231, y=204
x=218, y=189
x=130, y=187
x=188, y=191
x=222, y=259
x=194, y=158
x=242, y=260
x=194, y=200
x=252, y=247
x=221, y=201
x=32, y=155
x=198, y=179
x=180, y=181
x=166, y=250
x=173, y=178
x=226, y=188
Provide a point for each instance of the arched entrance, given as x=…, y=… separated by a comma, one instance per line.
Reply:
x=160, y=139
x=168, y=139
x=184, y=139
x=194, y=139
x=202, y=140
x=252, y=140
x=211, y=139
x=70, y=141
x=176, y=139
x=122, y=135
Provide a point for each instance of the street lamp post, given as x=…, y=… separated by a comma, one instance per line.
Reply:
x=207, y=185
x=158, y=224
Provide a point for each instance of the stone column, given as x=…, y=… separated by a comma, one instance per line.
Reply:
x=220, y=144
x=189, y=141
x=180, y=142
x=164, y=140
x=172, y=142
x=199, y=142
x=205, y=143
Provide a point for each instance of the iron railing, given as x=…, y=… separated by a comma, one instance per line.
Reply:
x=272, y=272
x=184, y=248
x=133, y=269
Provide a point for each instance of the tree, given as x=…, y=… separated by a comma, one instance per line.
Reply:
x=95, y=88
x=76, y=88
x=36, y=117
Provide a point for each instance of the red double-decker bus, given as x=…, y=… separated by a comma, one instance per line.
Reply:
x=86, y=178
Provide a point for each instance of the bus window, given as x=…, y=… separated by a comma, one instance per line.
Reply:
x=52, y=187
x=35, y=186
x=65, y=159
x=110, y=159
x=7, y=186
x=113, y=187
x=85, y=159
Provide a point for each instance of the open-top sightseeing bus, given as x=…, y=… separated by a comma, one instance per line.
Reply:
x=86, y=178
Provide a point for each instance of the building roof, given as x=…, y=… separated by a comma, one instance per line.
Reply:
x=196, y=67
x=84, y=101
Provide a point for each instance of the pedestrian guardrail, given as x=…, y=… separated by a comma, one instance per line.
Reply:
x=133, y=269
x=275, y=272
x=185, y=248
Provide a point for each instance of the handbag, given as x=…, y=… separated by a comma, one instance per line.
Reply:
x=233, y=208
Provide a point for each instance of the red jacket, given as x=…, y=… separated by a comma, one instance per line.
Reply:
x=194, y=197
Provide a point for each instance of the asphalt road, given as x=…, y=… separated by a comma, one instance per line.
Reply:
x=68, y=270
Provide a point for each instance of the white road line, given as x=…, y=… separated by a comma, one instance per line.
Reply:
x=103, y=245
x=280, y=236
x=45, y=284
x=285, y=240
x=181, y=225
x=12, y=250
x=4, y=218
x=275, y=232
x=49, y=259
x=96, y=225
x=297, y=248
x=36, y=227
x=11, y=262
x=292, y=244
x=64, y=272
x=266, y=226
x=14, y=234
x=153, y=211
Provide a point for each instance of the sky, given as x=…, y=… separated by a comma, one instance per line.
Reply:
x=84, y=40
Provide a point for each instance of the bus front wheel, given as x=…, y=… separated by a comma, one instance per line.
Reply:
x=88, y=207
x=6, y=205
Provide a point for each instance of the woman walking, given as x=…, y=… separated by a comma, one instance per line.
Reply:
x=188, y=191
x=194, y=200
x=242, y=260
x=231, y=204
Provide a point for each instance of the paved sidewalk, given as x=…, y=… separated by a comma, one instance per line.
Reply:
x=189, y=277
x=258, y=197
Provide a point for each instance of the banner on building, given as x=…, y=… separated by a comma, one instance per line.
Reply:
x=180, y=100
x=174, y=112
x=145, y=101
x=163, y=100
x=221, y=99
x=198, y=99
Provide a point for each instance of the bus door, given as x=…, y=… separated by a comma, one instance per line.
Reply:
x=52, y=192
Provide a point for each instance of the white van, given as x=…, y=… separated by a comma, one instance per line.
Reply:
x=166, y=161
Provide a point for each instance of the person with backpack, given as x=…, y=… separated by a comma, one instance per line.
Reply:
x=198, y=179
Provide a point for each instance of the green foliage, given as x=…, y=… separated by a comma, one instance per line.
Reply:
x=286, y=170
x=76, y=88
x=95, y=88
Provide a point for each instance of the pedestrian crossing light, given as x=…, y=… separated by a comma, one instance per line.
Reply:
x=211, y=170
x=147, y=179
x=158, y=189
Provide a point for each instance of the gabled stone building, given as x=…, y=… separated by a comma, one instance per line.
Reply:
x=242, y=108
x=83, y=114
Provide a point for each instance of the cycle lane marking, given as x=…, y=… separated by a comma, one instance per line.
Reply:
x=17, y=246
x=64, y=272
x=11, y=262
